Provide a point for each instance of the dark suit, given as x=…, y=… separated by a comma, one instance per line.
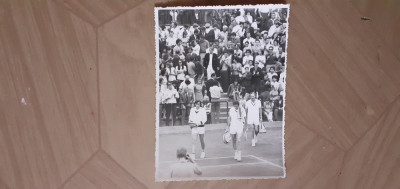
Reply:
x=210, y=36
x=215, y=62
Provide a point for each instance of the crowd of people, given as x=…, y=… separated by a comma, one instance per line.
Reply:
x=206, y=53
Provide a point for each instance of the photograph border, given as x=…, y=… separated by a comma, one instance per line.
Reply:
x=157, y=179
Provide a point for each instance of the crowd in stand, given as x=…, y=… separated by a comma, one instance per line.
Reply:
x=204, y=53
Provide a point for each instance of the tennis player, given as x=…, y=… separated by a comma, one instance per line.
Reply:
x=253, y=111
x=197, y=119
x=236, y=120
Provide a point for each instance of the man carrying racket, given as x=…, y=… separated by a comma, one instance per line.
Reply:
x=253, y=108
x=197, y=119
x=236, y=122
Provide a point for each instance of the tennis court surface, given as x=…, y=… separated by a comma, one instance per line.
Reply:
x=263, y=160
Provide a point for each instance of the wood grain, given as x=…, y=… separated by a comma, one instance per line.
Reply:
x=385, y=16
x=97, y=12
x=330, y=61
x=86, y=72
x=127, y=85
x=374, y=161
x=102, y=172
x=47, y=58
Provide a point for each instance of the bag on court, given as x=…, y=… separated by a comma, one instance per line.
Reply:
x=226, y=137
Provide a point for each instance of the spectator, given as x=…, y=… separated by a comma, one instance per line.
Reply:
x=236, y=70
x=171, y=72
x=229, y=44
x=256, y=77
x=207, y=106
x=196, y=48
x=260, y=58
x=199, y=89
x=204, y=44
x=268, y=112
x=209, y=33
x=270, y=58
x=171, y=40
x=225, y=70
x=249, y=39
x=186, y=98
x=191, y=67
x=215, y=93
x=271, y=73
x=181, y=70
x=211, y=63
x=234, y=91
x=247, y=57
x=169, y=97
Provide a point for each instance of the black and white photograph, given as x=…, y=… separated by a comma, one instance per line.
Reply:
x=221, y=85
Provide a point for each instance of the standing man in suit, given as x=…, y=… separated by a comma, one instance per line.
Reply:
x=211, y=63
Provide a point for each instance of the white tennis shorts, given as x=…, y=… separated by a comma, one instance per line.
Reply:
x=198, y=130
x=253, y=121
x=236, y=129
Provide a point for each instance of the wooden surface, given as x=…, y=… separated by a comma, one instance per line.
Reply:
x=86, y=72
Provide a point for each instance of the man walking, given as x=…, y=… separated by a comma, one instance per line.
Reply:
x=253, y=107
x=236, y=121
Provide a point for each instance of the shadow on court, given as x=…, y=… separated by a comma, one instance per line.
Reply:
x=263, y=160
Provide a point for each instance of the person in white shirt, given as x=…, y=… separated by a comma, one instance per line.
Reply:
x=253, y=109
x=171, y=72
x=197, y=119
x=255, y=24
x=216, y=31
x=196, y=48
x=171, y=40
x=249, y=39
x=260, y=58
x=169, y=97
x=178, y=48
x=249, y=17
x=274, y=28
x=239, y=19
x=271, y=73
x=175, y=28
x=238, y=29
x=236, y=120
x=247, y=57
x=215, y=93
x=180, y=71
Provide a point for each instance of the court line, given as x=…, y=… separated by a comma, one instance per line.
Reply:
x=239, y=163
x=199, y=159
x=266, y=161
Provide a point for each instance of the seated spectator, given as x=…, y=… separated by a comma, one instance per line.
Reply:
x=257, y=48
x=268, y=110
x=249, y=39
x=271, y=73
x=247, y=57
